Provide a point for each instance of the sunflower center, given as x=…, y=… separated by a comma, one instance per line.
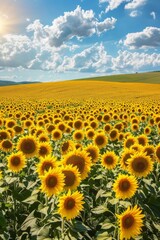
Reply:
x=69, y=178
x=69, y=203
x=78, y=136
x=15, y=161
x=108, y=160
x=43, y=150
x=46, y=166
x=17, y=129
x=51, y=182
x=124, y=185
x=91, y=154
x=140, y=164
x=7, y=144
x=56, y=135
x=99, y=140
x=129, y=143
x=113, y=134
x=77, y=161
x=127, y=221
x=65, y=146
x=28, y=146
x=3, y=135
x=158, y=152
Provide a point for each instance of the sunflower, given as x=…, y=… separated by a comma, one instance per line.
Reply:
x=113, y=135
x=80, y=159
x=61, y=126
x=107, y=127
x=67, y=146
x=44, y=149
x=6, y=145
x=126, y=154
x=93, y=152
x=149, y=150
x=137, y=147
x=70, y=205
x=140, y=165
x=4, y=134
x=147, y=130
x=109, y=160
x=142, y=139
x=52, y=182
x=16, y=161
x=157, y=152
x=106, y=118
x=100, y=140
x=72, y=177
x=43, y=137
x=134, y=127
x=78, y=124
x=125, y=186
x=56, y=134
x=18, y=129
x=78, y=135
x=45, y=164
x=130, y=222
x=90, y=134
x=28, y=146
x=130, y=141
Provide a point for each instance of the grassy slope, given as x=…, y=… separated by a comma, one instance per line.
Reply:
x=148, y=77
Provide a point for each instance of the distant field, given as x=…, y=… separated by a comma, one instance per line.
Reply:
x=148, y=77
x=81, y=90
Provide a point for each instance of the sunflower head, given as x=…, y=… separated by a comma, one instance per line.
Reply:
x=140, y=165
x=80, y=159
x=4, y=134
x=78, y=135
x=130, y=222
x=52, y=182
x=130, y=141
x=28, y=146
x=72, y=177
x=6, y=145
x=45, y=164
x=70, y=205
x=44, y=149
x=142, y=140
x=125, y=186
x=16, y=161
x=56, y=134
x=67, y=146
x=100, y=140
x=113, y=134
x=93, y=152
x=126, y=154
x=109, y=160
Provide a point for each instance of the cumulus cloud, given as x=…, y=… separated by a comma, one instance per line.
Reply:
x=148, y=38
x=135, y=13
x=78, y=23
x=112, y=4
x=135, y=4
x=153, y=14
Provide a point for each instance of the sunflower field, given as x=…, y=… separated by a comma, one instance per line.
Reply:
x=80, y=168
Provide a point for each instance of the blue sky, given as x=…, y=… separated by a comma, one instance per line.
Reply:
x=53, y=40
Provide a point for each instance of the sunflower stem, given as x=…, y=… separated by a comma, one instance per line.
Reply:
x=62, y=229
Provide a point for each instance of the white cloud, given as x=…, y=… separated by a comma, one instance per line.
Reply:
x=78, y=23
x=135, y=4
x=135, y=13
x=153, y=14
x=149, y=37
x=113, y=4
x=134, y=61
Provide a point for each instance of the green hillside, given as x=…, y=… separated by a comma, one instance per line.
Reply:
x=147, y=77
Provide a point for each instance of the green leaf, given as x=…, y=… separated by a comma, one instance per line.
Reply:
x=103, y=236
x=78, y=226
x=30, y=221
x=156, y=225
x=100, y=209
x=107, y=225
